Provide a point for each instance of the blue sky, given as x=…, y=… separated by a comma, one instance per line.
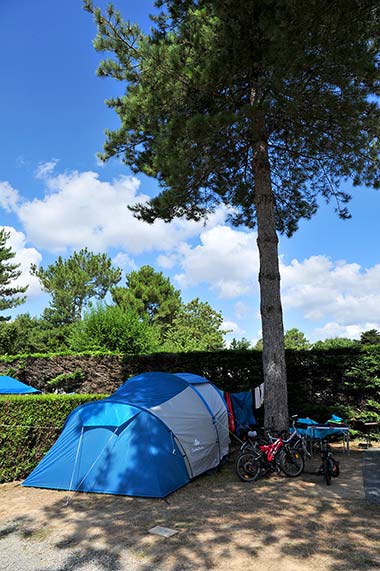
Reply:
x=56, y=198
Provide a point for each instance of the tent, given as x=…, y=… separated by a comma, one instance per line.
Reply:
x=10, y=386
x=152, y=436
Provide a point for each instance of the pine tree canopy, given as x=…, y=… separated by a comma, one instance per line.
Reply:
x=74, y=281
x=261, y=106
x=9, y=272
x=197, y=84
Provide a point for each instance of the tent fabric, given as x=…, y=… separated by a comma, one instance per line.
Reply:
x=11, y=386
x=149, y=438
x=242, y=404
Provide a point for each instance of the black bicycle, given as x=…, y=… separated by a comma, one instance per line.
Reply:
x=298, y=442
x=329, y=467
x=265, y=454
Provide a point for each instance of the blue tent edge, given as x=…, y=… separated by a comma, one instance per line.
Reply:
x=47, y=487
x=15, y=387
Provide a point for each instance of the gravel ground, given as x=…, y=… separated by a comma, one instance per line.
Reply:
x=20, y=555
x=277, y=523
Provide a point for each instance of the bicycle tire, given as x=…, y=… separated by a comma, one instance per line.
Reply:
x=327, y=470
x=291, y=462
x=335, y=468
x=247, y=467
x=301, y=446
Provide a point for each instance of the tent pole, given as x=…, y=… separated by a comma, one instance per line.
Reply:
x=75, y=462
x=94, y=462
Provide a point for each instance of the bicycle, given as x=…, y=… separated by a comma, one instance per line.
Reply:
x=256, y=458
x=255, y=439
x=329, y=467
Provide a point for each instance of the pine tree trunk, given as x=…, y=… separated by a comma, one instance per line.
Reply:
x=274, y=367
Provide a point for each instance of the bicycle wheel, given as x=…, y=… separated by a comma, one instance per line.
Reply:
x=291, y=462
x=247, y=467
x=327, y=470
x=335, y=468
x=301, y=446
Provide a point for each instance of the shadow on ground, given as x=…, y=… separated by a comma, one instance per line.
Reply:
x=222, y=524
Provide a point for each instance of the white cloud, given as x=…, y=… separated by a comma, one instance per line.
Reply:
x=168, y=261
x=231, y=327
x=242, y=310
x=172, y=259
x=80, y=210
x=341, y=292
x=124, y=261
x=226, y=259
x=9, y=197
x=25, y=257
x=44, y=170
x=332, y=329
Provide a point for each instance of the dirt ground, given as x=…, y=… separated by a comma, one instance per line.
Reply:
x=276, y=523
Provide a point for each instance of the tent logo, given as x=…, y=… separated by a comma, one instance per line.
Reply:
x=197, y=447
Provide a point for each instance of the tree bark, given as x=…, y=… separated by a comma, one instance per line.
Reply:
x=274, y=366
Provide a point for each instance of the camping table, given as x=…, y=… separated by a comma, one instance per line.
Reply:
x=368, y=428
x=339, y=430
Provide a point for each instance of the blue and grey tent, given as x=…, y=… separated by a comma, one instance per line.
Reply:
x=152, y=436
x=10, y=386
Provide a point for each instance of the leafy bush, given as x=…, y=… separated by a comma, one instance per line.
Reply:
x=196, y=327
x=30, y=424
x=28, y=334
x=115, y=329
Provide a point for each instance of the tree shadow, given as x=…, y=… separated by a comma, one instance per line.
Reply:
x=221, y=524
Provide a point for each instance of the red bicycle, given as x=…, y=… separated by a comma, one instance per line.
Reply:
x=259, y=459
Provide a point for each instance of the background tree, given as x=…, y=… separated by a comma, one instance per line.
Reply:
x=9, y=272
x=259, y=344
x=73, y=282
x=196, y=327
x=112, y=328
x=260, y=105
x=334, y=343
x=295, y=339
x=242, y=344
x=151, y=295
x=26, y=334
x=370, y=337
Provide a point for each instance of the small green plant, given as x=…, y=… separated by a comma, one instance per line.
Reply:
x=11, y=372
x=67, y=381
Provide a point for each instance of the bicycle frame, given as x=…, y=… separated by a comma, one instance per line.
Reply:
x=271, y=450
x=276, y=443
x=256, y=458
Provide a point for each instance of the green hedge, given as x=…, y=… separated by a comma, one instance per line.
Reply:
x=343, y=381
x=320, y=382
x=20, y=356
x=29, y=425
